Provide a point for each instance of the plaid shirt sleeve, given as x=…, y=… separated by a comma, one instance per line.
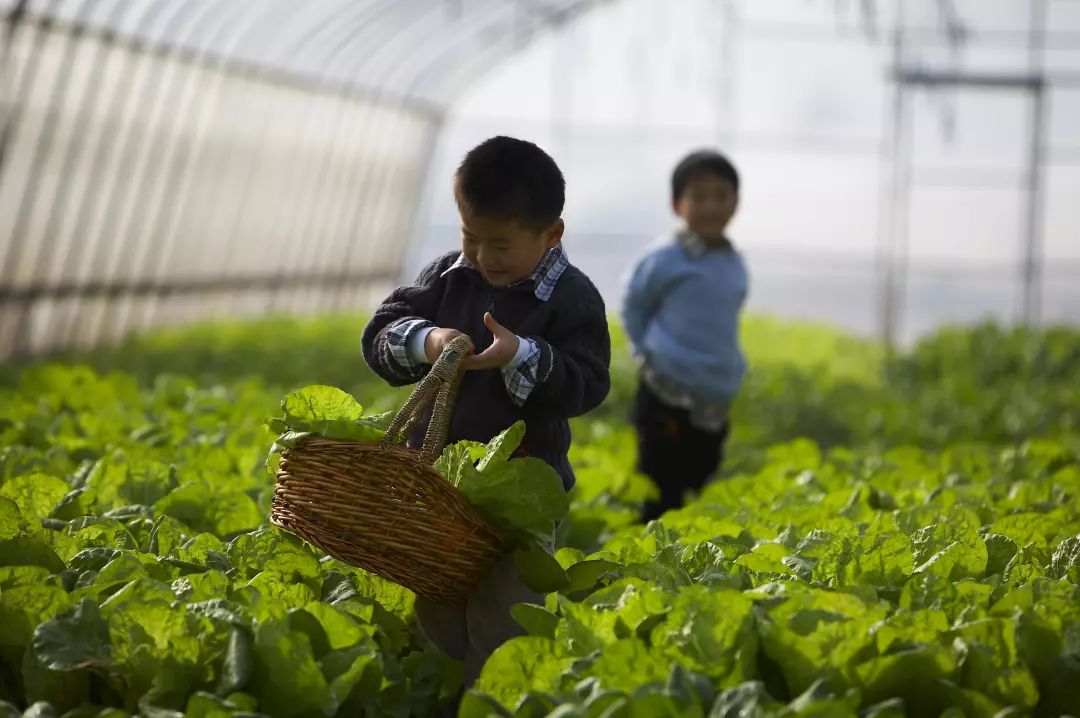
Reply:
x=396, y=348
x=521, y=375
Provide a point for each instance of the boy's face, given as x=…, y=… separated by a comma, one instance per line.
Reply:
x=707, y=204
x=504, y=250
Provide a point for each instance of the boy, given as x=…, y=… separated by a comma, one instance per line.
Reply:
x=681, y=313
x=540, y=337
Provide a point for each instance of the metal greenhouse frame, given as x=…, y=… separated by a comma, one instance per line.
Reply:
x=125, y=125
x=175, y=160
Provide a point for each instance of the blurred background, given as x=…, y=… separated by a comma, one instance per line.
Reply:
x=905, y=164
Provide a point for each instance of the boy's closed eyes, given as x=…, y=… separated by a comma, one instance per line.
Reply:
x=505, y=251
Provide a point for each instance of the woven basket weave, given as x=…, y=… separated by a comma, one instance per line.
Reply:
x=384, y=508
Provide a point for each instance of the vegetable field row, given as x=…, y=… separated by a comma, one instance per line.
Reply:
x=885, y=543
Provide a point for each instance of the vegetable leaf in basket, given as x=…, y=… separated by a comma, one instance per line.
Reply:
x=328, y=412
x=332, y=414
x=458, y=460
x=522, y=497
x=502, y=447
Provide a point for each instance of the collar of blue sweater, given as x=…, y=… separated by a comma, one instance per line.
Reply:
x=543, y=276
x=695, y=246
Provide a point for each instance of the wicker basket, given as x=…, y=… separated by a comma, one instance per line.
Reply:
x=384, y=508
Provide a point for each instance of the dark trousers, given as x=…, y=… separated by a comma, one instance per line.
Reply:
x=678, y=456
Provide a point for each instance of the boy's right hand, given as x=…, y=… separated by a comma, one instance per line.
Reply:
x=437, y=339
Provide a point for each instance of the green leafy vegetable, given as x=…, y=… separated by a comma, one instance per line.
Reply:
x=881, y=543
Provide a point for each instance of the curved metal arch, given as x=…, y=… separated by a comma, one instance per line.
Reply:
x=348, y=18
x=250, y=179
x=170, y=215
x=378, y=21
x=466, y=33
x=83, y=205
x=151, y=100
x=407, y=54
x=387, y=66
x=231, y=243
x=456, y=76
x=55, y=247
x=413, y=39
x=30, y=196
x=401, y=65
x=411, y=33
x=376, y=129
x=331, y=111
x=294, y=28
x=152, y=15
x=348, y=214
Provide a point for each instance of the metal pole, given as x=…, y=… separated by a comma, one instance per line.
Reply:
x=891, y=193
x=12, y=22
x=154, y=234
x=42, y=148
x=901, y=220
x=380, y=60
x=156, y=253
x=730, y=30
x=363, y=114
x=561, y=99
x=419, y=172
x=16, y=23
x=23, y=249
x=308, y=254
x=1033, y=229
x=148, y=172
x=476, y=63
x=369, y=215
x=311, y=231
x=424, y=182
x=357, y=225
x=60, y=227
x=1031, y=277
x=321, y=111
x=110, y=165
x=258, y=116
x=17, y=85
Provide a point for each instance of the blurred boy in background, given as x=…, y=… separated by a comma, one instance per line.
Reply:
x=681, y=312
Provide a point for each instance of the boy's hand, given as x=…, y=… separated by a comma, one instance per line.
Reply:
x=437, y=339
x=501, y=351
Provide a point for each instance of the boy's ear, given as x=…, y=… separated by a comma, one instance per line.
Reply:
x=554, y=234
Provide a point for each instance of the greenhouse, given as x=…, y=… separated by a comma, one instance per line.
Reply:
x=321, y=396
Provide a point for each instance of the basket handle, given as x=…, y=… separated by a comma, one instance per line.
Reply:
x=439, y=388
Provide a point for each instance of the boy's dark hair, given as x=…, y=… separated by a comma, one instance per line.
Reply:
x=702, y=162
x=508, y=178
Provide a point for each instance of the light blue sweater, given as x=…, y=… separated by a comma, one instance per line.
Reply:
x=681, y=312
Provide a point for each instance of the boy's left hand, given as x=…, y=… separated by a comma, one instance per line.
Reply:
x=502, y=349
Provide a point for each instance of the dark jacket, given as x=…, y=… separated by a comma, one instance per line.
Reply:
x=570, y=328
